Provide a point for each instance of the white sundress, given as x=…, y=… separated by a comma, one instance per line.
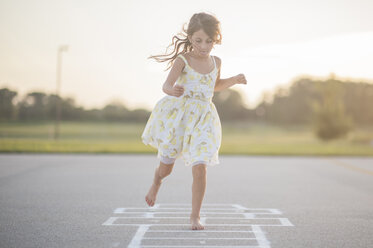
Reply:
x=187, y=126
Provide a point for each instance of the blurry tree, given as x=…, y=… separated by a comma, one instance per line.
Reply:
x=230, y=106
x=288, y=105
x=32, y=107
x=7, y=108
x=330, y=120
x=295, y=105
x=292, y=105
x=138, y=115
x=359, y=102
x=115, y=111
x=68, y=109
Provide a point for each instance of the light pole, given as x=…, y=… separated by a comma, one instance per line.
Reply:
x=61, y=49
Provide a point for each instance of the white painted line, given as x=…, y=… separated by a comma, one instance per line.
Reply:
x=119, y=211
x=239, y=206
x=249, y=215
x=203, y=220
x=115, y=244
x=148, y=215
x=262, y=240
x=110, y=221
x=136, y=240
x=155, y=221
x=285, y=222
x=274, y=211
x=271, y=210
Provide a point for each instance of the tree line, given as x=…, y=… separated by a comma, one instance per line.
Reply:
x=39, y=106
x=299, y=103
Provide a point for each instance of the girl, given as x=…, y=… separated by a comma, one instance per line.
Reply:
x=185, y=122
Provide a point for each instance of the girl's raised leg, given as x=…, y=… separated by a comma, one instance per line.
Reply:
x=198, y=192
x=161, y=172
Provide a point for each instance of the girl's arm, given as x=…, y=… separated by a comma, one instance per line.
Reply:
x=222, y=84
x=168, y=85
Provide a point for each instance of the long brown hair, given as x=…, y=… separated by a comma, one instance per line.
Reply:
x=208, y=23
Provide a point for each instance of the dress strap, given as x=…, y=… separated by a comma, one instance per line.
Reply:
x=183, y=58
x=213, y=59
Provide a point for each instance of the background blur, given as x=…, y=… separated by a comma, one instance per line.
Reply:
x=307, y=63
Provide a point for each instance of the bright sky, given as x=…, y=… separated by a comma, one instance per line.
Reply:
x=271, y=42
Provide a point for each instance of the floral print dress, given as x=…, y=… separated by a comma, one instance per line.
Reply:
x=187, y=126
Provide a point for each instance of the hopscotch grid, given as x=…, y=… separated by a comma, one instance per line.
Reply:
x=202, y=212
x=188, y=225
x=234, y=209
x=203, y=238
x=205, y=204
x=152, y=208
x=200, y=231
x=211, y=246
x=213, y=218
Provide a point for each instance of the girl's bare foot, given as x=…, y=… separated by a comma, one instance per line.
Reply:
x=196, y=224
x=152, y=194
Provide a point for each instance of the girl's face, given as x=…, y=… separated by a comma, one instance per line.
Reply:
x=201, y=43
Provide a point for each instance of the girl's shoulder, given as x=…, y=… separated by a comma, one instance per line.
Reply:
x=218, y=61
x=182, y=57
x=181, y=60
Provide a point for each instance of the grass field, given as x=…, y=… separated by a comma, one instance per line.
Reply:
x=238, y=138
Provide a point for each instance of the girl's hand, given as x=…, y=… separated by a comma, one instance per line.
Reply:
x=240, y=79
x=177, y=90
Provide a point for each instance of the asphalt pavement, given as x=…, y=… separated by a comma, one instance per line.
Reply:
x=98, y=200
